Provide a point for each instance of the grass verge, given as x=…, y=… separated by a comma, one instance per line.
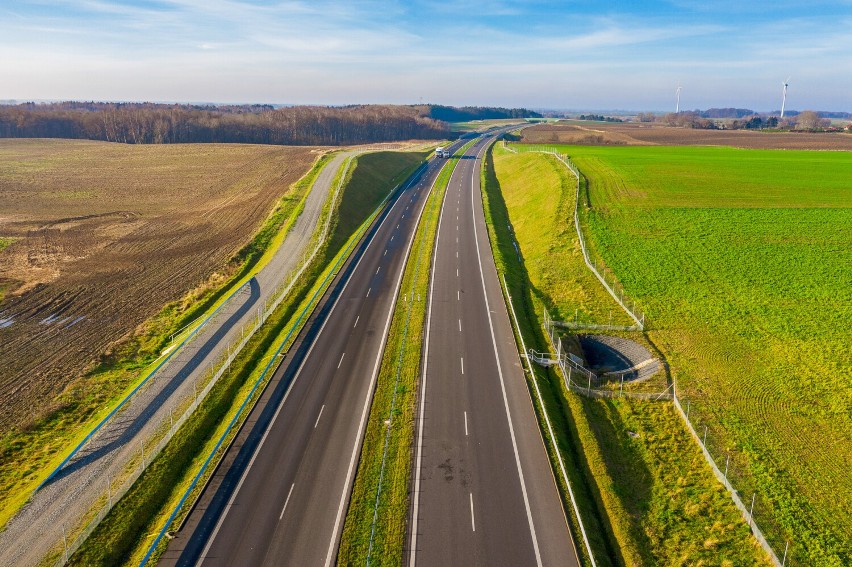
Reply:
x=390, y=428
x=124, y=536
x=645, y=493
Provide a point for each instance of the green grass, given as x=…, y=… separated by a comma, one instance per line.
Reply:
x=645, y=500
x=401, y=358
x=740, y=258
x=121, y=538
x=5, y=243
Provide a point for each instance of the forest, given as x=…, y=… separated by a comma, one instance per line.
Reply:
x=148, y=123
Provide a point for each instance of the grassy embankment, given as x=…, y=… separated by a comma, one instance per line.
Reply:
x=647, y=498
x=125, y=534
x=741, y=260
x=396, y=388
x=44, y=444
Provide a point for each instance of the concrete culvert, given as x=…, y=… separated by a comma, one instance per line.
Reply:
x=612, y=357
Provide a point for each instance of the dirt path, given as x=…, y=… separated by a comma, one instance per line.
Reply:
x=38, y=527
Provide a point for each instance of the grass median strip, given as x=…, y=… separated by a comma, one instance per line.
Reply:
x=374, y=529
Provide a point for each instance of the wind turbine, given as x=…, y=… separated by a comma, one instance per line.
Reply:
x=784, y=96
x=677, y=108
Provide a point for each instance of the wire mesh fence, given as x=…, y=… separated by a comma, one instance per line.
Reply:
x=598, y=267
x=731, y=469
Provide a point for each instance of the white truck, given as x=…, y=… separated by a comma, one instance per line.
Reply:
x=441, y=152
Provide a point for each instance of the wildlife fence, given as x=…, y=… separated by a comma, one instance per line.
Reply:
x=734, y=471
x=598, y=268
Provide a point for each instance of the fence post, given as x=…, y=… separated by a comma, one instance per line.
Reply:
x=751, y=511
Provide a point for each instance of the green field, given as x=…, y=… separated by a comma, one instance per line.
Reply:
x=741, y=260
x=647, y=496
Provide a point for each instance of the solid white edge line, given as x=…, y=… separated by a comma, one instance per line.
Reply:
x=550, y=430
x=212, y=537
x=356, y=449
x=319, y=416
x=288, y=499
x=500, y=372
x=415, y=497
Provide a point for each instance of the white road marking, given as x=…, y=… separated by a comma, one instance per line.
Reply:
x=472, y=520
x=377, y=270
x=356, y=321
x=392, y=237
x=368, y=293
x=422, y=412
x=457, y=253
x=230, y=503
x=341, y=360
x=288, y=498
x=459, y=325
x=462, y=364
x=465, y=424
x=457, y=272
x=315, y=424
x=503, y=384
x=458, y=295
x=329, y=558
x=386, y=253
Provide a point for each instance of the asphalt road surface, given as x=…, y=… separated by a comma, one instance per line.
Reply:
x=280, y=495
x=483, y=489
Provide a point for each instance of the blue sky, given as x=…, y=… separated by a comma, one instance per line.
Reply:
x=573, y=54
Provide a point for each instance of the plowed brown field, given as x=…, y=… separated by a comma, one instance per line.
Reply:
x=104, y=235
x=633, y=134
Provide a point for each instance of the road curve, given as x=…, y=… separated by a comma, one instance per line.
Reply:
x=59, y=504
x=483, y=492
x=280, y=495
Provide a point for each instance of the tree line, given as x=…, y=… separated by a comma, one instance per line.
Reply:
x=147, y=123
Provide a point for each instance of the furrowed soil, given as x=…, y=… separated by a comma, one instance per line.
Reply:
x=642, y=134
x=740, y=259
x=653, y=499
x=103, y=236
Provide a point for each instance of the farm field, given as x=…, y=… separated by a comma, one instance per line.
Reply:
x=106, y=235
x=656, y=499
x=740, y=258
x=645, y=134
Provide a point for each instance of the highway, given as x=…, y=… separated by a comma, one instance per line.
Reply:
x=281, y=493
x=483, y=490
